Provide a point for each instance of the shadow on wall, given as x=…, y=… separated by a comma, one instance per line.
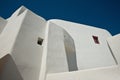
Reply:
x=8, y=69
x=61, y=56
x=70, y=52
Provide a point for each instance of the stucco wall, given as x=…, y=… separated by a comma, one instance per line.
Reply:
x=8, y=69
x=114, y=43
x=20, y=38
x=56, y=56
x=89, y=54
x=108, y=73
x=61, y=56
x=26, y=51
x=3, y=23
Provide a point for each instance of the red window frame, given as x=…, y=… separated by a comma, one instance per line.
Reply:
x=96, y=40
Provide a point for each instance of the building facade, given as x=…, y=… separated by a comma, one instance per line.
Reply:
x=57, y=49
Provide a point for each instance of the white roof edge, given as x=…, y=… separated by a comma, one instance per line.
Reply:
x=86, y=70
x=36, y=15
x=19, y=11
x=116, y=35
x=2, y=19
x=28, y=10
x=51, y=20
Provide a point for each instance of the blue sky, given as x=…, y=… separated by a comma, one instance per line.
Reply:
x=100, y=13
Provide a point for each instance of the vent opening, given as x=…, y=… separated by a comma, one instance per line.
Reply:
x=96, y=40
x=40, y=41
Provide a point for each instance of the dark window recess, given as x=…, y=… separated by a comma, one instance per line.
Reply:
x=40, y=41
x=96, y=40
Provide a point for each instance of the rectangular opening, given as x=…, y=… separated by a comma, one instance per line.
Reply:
x=96, y=40
x=40, y=41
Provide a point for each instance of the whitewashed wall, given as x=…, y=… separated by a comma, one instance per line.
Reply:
x=108, y=73
x=89, y=54
x=20, y=39
x=114, y=43
x=3, y=23
x=19, y=36
x=56, y=55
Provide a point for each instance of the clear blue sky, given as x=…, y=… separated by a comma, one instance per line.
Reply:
x=100, y=13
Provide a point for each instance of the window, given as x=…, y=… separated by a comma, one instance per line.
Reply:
x=40, y=41
x=95, y=38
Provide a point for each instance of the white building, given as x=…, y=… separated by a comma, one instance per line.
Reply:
x=56, y=50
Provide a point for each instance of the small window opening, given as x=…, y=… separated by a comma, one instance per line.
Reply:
x=96, y=39
x=40, y=41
